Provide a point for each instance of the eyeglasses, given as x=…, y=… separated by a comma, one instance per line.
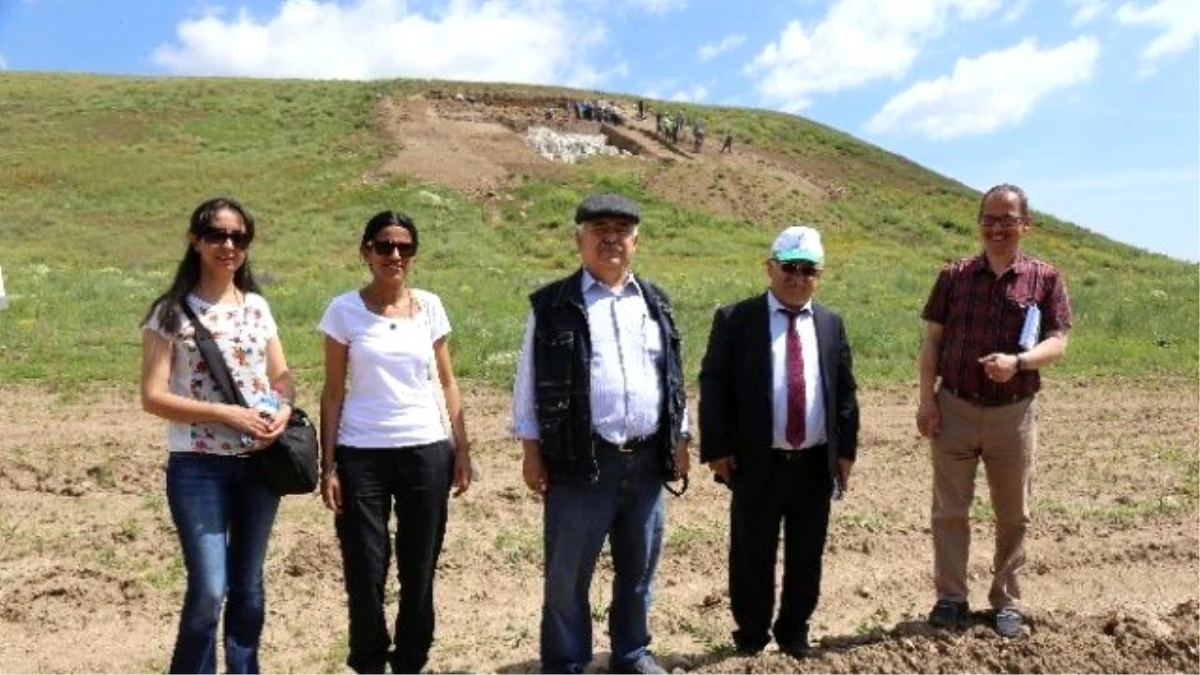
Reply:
x=215, y=236
x=803, y=269
x=1000, y=221
x=406, y=249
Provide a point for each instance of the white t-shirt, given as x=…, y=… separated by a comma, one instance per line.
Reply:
x=391, y=373
x=242, y=331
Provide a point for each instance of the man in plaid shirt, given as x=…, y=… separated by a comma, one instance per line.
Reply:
x=984, y=405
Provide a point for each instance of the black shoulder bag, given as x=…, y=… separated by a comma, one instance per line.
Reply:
x=289, y=465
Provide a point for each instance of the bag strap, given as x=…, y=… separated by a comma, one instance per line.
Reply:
x=211, y=353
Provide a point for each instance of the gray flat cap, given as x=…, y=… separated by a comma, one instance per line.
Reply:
x=601, y=205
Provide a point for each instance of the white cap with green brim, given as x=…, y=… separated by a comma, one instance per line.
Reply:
x=799, y=243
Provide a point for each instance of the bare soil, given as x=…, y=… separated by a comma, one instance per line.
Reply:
x=90, y=577
x=476, y=145
x=91, y=580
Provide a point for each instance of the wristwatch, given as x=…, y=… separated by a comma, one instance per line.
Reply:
x=1020, y=363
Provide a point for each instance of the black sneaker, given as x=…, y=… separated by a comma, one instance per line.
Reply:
x=948, y=614
x=1008, y=622
x=748, y=650
x=798, y=649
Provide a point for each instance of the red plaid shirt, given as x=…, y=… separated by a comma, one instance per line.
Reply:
x=982, y=313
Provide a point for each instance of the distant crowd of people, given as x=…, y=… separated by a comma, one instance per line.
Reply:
x=599, y=110
x=599, y=405
x=673, y=128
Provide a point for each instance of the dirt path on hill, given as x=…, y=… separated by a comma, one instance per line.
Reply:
x=90, y=579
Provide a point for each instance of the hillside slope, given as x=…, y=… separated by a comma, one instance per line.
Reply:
x=98, y=175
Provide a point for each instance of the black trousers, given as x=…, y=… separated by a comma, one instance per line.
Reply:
x=797, y=494
x=415, y=483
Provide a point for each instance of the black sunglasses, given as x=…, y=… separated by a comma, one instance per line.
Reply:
x=803, y=269
x=1000, y=221
x=215, y=236
x=406, y=249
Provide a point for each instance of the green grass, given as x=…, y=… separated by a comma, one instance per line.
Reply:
x=99, y=174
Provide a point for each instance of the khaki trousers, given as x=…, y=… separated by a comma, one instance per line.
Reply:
x=1005, y=438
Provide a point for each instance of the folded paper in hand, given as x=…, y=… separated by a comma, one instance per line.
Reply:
x=1032, y=328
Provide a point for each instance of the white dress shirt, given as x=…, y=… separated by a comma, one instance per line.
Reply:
x=814, y=397
x=627, y=350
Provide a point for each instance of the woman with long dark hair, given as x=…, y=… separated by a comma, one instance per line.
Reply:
x=387, y=365
x=219, y=502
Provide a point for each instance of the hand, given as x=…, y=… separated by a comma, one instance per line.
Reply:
x=331, y=491
x=462, y=471
x=999, y=367
x=929, y=418
x=723, y=468
x=278, y=424
x=683, y=460
x=533, y=470
x=844, y=467
x=246, y=419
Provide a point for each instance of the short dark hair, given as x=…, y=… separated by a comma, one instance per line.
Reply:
x=385, y=219
x=1010, y=188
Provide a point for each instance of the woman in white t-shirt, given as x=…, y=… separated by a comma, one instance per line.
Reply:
x=221, y=507
x=385, y=445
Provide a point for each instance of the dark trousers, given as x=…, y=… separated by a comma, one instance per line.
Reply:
x=797, y=493
x=415, y=483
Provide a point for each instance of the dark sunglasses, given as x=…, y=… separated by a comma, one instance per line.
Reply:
x=215, y=236
x=406, y=249
x=803, y=269
x=1000, y=221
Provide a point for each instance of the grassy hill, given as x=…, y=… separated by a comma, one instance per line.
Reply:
x=99, y=174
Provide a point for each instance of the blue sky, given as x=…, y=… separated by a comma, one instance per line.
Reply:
x=1093, y=106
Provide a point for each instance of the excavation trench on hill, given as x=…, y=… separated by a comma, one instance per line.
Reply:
x=476, y=144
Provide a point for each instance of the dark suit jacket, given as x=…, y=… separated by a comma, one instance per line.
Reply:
x=735, y=390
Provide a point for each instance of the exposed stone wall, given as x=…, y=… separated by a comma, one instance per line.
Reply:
x=569, y=148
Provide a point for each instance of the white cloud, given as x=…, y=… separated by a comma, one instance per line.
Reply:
x=1016, y=11
x=1086, y=11
x=995, y=90
x=693, y=95
x=658, y=6
x=584, y=76
x=532, y=41
x=713, y=49
x=857, y=41
x=3, y=63
x=1178, y=21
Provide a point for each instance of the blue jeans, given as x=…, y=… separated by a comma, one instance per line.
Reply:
x=223, y=512
x=626, y=506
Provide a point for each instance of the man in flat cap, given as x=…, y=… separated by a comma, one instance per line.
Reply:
x=600, y=408
x=779, y=427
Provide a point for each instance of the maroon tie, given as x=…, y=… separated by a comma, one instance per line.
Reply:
x=795, y=383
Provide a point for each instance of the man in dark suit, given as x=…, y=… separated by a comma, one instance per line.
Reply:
x=779, y=427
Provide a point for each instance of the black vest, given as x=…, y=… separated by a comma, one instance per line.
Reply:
x=562, y=352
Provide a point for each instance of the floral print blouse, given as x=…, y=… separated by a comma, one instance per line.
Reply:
x=242, y=331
